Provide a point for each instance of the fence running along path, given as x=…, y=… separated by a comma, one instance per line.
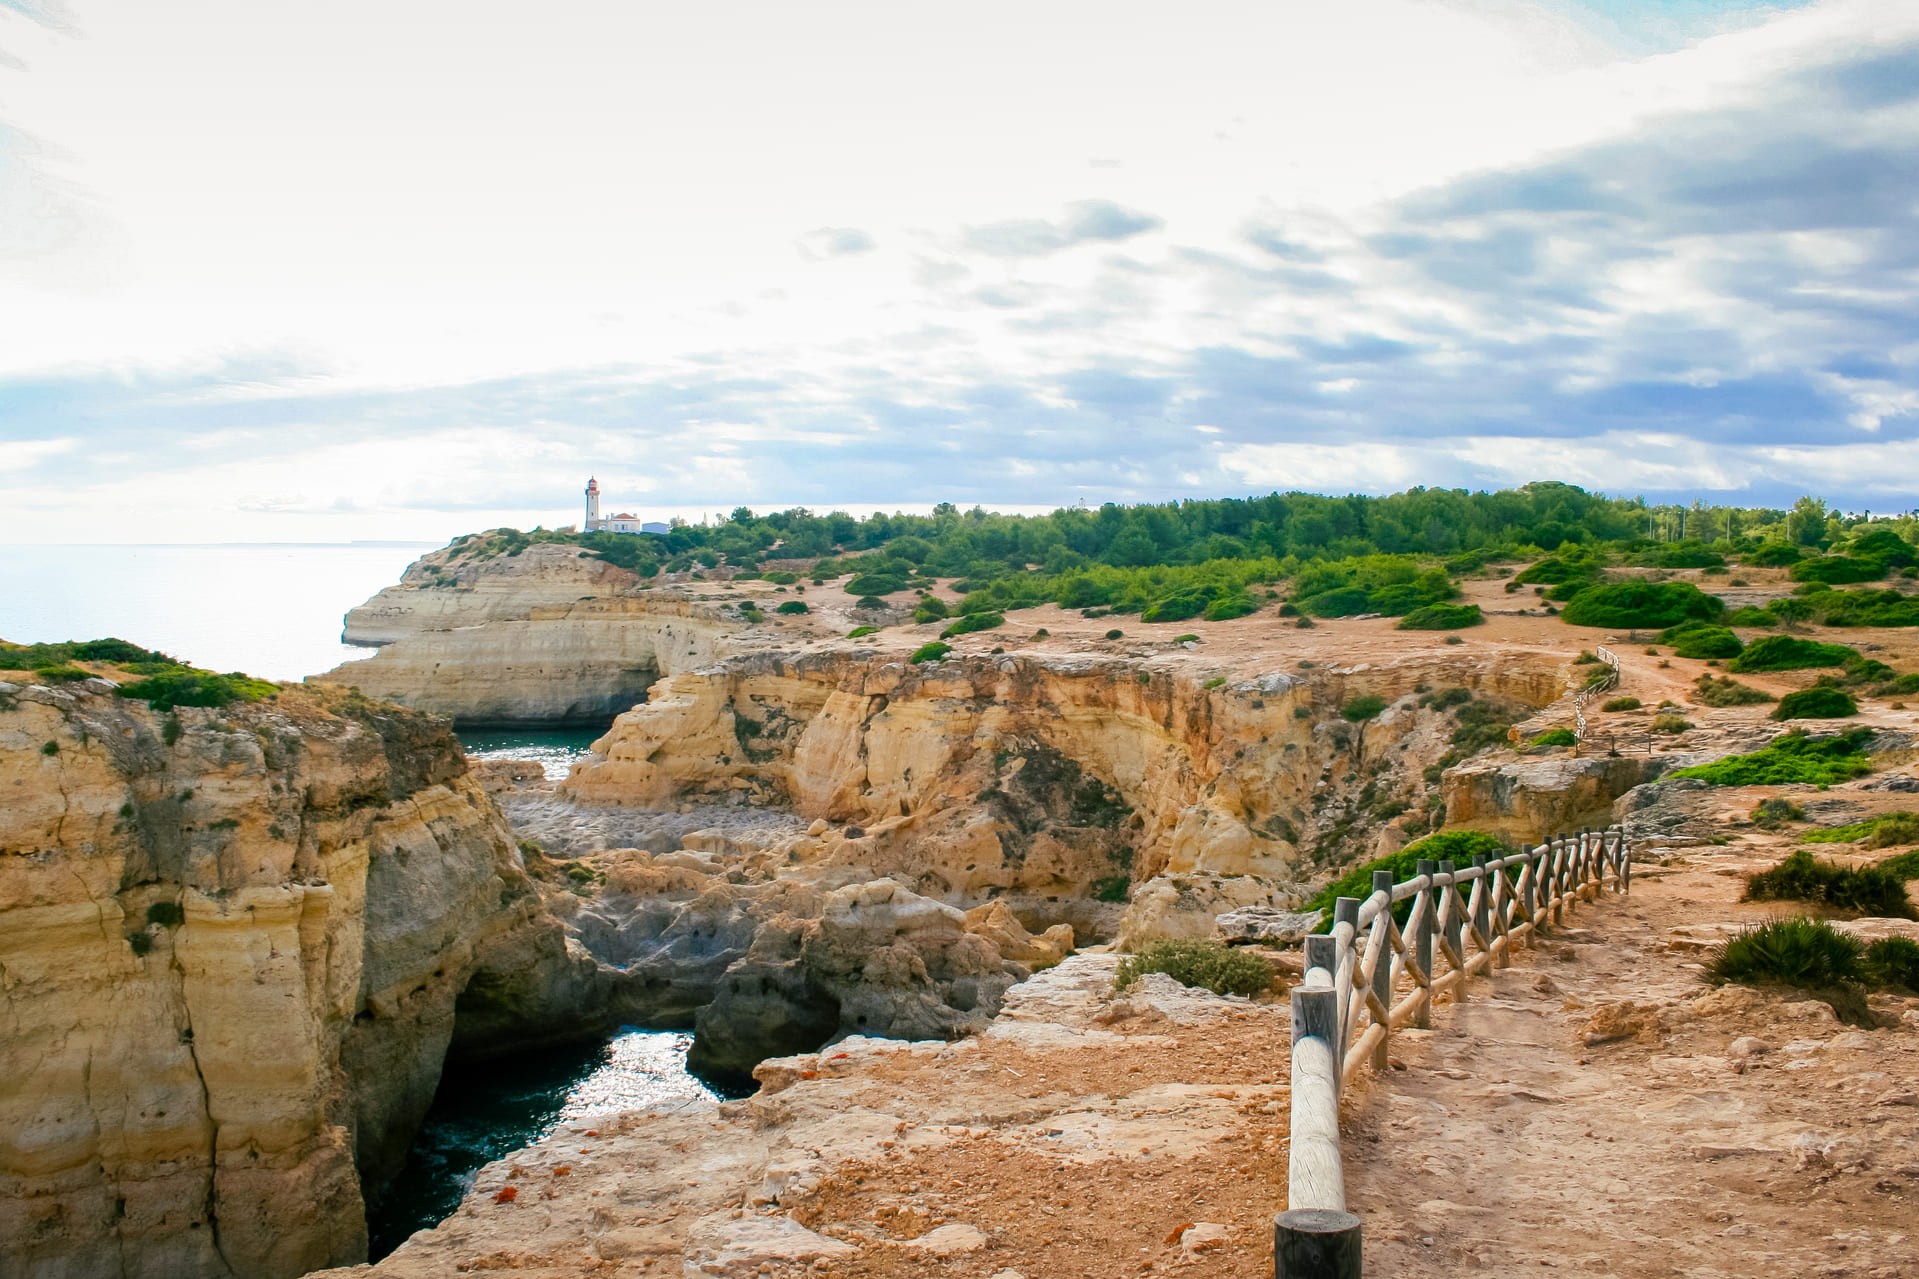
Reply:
x=1604, y=684
x=1372, y=975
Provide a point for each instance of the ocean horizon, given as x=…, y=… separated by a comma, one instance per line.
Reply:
x=271, y=609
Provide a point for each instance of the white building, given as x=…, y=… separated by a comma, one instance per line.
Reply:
x=624, y=522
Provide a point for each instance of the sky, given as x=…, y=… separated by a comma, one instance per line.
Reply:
x=377, y=270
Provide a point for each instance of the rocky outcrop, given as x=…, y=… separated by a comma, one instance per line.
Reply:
x=577, y=662
x=1528, y=800
x=1051, y=780
x=450, y=589
x=231, y=945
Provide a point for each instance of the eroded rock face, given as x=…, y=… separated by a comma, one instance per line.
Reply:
x=439, y=593
x=231, y=942
x=1528, y=800
x=580, y=662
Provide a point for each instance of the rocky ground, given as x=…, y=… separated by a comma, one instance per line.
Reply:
x=1597, y=1109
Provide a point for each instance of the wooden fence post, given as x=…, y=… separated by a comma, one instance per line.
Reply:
x=1455, y=926
x=1383, y=966
x=1314, y=1243
x=1345, y=911
x=1423, y=942
x=1482, y=904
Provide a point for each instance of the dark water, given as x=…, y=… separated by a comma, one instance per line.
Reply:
x=487, y=1111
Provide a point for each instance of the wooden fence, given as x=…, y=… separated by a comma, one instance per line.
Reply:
x=1604, y=684
x=1372, y=975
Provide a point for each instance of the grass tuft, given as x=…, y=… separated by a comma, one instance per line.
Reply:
x=1790, y=757
x=1868, y=890
x=1206, y=964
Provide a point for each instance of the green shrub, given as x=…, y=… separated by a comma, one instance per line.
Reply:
x=1670, y=723
x=1442, y=617
x=1788, y=758
x=1835, y=569
x=1771, y=814
x=1801, y=951
x=1869, y=890
x=1773, y=555
x=752, y=614
x=931, y=609
x=1752, y=615
x=876, y=584
x=1360, y=709
x=1456, y=846
x=1111, y=889
x=1717, y=690
x=1790, y=653
x=50, y=748
x=1207, y=964
x=861, y=632
x=1227, y=607
x=1882, y=831
x=62, y=674
x=793, y=606
x=197, y=688
x=1214, y=682
x=973, y=622
x=1700, y=641
x=1185, y=639
x=1557, y=737
x=1115, y=634
x=1866, y=608
x=1905, y=865
x=166, y=914
x=1642, y=604
x=1816, y=703
x=869, y=602
x=1894, y=962
x=930, y=652
x=1621, y=704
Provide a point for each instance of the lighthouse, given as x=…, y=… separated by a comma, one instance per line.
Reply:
x=592, y=505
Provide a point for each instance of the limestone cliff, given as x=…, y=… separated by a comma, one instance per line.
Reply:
x=448, y=589
x=231, y=942
x=1049, y=779
x=582, y=661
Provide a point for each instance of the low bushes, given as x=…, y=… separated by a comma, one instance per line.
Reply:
x=1790, y=757
x=1701, y=640
x=1868, y=890
x=1790, y=653
x=1835, y=569
x=1816, y=703
x=1442, y=617
x=861, y=632
x=197, y=688
x=1771, y=814
x=1812, y=955
x=1557, y=737
x=1643, y=605
x=793, y=606
x=1207, y=964
x=1882, y=831
x=974, y=622
x=1717, y=690
x=930, y=652
x=1621, y=704
x=1361, y=709
x=1456, y=846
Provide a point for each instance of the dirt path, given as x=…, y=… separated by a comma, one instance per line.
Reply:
x=1506, y=1142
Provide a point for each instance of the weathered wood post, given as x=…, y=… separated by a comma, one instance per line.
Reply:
x=1625, y=864
x=1482, y=904
x=1423, y=940
x=1314, y=1243
x=1315, y=1238
x=1529, y=885
x=1345, y=912
x=1455, y=922
x=1383, y=966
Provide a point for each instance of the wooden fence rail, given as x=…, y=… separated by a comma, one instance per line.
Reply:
x=1372, y=975
x=1604, y=684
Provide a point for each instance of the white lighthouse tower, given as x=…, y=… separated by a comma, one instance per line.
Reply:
x=592, y=505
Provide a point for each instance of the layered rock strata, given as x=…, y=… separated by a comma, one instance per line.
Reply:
x=231, y=944
x=442, y=592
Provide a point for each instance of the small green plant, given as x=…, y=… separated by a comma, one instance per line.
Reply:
x=974, y=622
x=1454, y=639
x=930, y=652
x=62, y=674
x=1670, y=723
x=51, y=748
x=1206, y=964
x=861, y=632
x=1185, y=639
x=140, y=943
x=1869, y=890
x=165, y=691
x=1771, y=814
x=1441, y=617
x=1790, y=653
x=1621, y=704
x=752, y=613
x=1111, y=889
x=1816, y=703
x=1456, y=846
x=1791, y=757
x=1883, y=831
x=1894, y=962
x=1700, y=640
x=1588, y=658
x=1719, y=690
x=170, y=729
x=1042, y=633
x=931, y=609
x=166, y=914
x=1145, y=677
x=1214, y=682
x=1360, y=709
x=1557, y=737
x=1115, y=634
x=793, y=606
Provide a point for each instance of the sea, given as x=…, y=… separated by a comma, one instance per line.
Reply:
x=274, y=610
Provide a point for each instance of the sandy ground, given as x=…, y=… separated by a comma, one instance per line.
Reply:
x=1505, y=1142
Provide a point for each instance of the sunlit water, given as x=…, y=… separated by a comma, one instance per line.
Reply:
x=273, y=611
x=488, y=1111
x=555, y=750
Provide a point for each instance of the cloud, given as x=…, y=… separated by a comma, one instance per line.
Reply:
x=1087, y=222
x=836, y=242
